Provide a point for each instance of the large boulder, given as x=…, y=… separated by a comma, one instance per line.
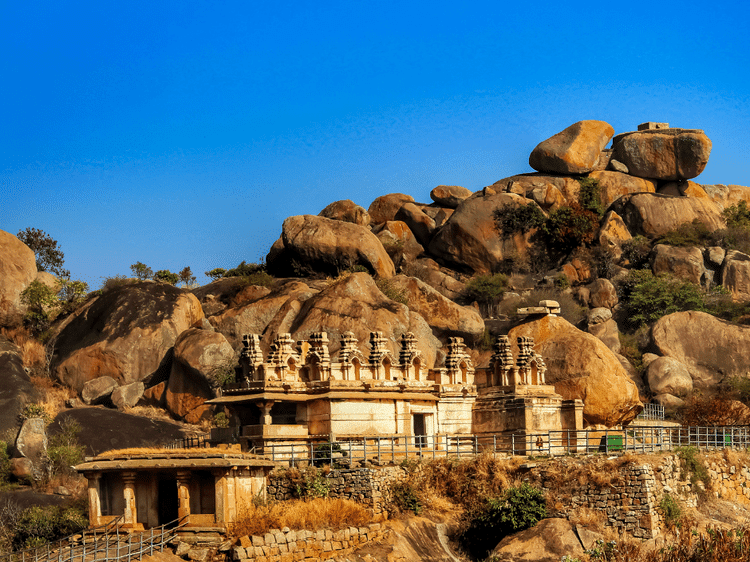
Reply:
x=652, y=214
x=421, y=224
x=469, y=240
x=400, y=243
x=16, y=389
x=321, y=245
x=727, y=195
x=98, y=390
x=31, y=443
x=735, y=275
x=201, y=359
x=439, y=278
x=17, y=271
x=445, y=317
x=574, y=150
x=126, y=333
x=550, y=540
x=603, y=326
x=666, y=375
x=664, y=154
x=549, y=192
x=685, y=263
x=449, y=195
x=612, y=233
x=347, y=211
x=128, y=396
x=354, y=303
x=602, y=293
x=713, y=350
x=579, y=365
x=613, y=185
x=222, y=293
x=385, y=207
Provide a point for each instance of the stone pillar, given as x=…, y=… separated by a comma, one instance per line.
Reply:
x=220, y=497
x=95, y=504
x=128, y=491
x=265, y=413
x=183, y=493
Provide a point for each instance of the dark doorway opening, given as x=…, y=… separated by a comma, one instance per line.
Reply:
x=419, y=430
x=168, y=501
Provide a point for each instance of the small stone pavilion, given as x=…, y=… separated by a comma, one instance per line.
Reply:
x=203, y=488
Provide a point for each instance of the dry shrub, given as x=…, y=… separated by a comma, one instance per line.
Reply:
x=708, y=411
x=33, y=353
x=318, y=513
x=53, y=394
x=593, y=519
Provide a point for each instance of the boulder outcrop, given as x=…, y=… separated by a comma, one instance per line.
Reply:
x=320, y=245
x=31, y=443
x=549, y=192
x=346, y=211
x=550, y=540
x=421, y=224
x=16, y=389
x=666, y=375
x=17, y=271
x=385, y=207
x=663, y=154
x=574, y=150
x=469, y=240
x=437, y=277
x=449, y=195
x=735, y=275
x=727, y=195
x=685, y=263
x=400, y=243
x=579, y=365
x=712, y=350
x=126, y=333
x=613, y=185
x=652, y=214
x=127, y=396
x=98, y=390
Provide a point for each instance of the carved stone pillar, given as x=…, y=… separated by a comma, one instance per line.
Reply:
x=95, y=504
x=128, y=491
x=183, y=493
x=265, y=412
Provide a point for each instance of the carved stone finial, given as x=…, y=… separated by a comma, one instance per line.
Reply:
x=378, y=348
x=319, y=346
x=348, y=347
x=456, y=352
x=502, y=356
x=281, y=348
x=408, y=351
x=251, y=351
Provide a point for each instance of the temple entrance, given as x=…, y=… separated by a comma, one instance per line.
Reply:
x=167, y=499
x=420, y=430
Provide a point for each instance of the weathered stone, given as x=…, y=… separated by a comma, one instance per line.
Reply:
x=735, y=275
x=17, y=271
x=652, y=214
x=16, y=389
x=318, y=244
x=599, y=315
x=154, y=395
x=667, y=375
x=608, y=333
x=613, y=185
x=549, y=192
x=218, y=295
x=612, y=233
x=445, y=317
x=126, y=332
x=665, y=154
x=385, y=207
x=32, y=443
x=449, y=195
x=127, y=396
x=715, y=255
x=400, y=243
x=435, y=276
x=671, y=403
x=617, y=166
x=548, y=541
x=575, y=150
x=701, y=343
x=727, y=195
x=602, y=293
x=420, y=223
x=201, y=358
x=581, y=366
x=346, y=211
x=22, y=468
x=469, y=240
x=98, y=391
x=46, y=278
x=685, y=263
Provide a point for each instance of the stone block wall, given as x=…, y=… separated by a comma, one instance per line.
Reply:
x=289, y=546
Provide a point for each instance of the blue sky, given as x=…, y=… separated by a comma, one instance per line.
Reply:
x=183, y=133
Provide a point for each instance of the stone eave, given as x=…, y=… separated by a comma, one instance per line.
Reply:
x=372, y=394
x=97, y=465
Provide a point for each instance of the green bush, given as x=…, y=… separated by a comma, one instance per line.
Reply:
x=672, y=510
x=636, y=251
x=694, y=465
x=328, y=454
x=484, y=289
x=40, y=299
x=38, y=525
x=518, y=509
x=687, y=234
x=166, y=276
x=141, y=271
x=406, y=497
x=737, y=216
x=4, y=463
x=518, y=219
x=568, y=228
x=245, y=269
x=34, y=410
x=311, y=483
x=590, y=196
x=115, y=281
x=63, y=450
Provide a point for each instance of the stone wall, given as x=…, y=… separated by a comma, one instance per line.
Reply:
x=287, y=546
x=366, y=486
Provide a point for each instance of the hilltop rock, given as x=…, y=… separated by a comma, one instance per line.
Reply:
x=469, y=241
x=575, y=150
x=713, y=350
x=16, y=389
x=346, y=211
x=549, y=192
x=727, y=195
x=126, y=333
x=445, y=317
x=355, y=304
x=400, y=243
x=17, y=271
x=449, y=195
x=652, y=214
x=218, y=295
x=735, y=275
x=199, y=357
x=321, y=245
x=666, y=375
x=421, y=224
x=664, y=154
x=550, y=540
x=685, y=263
x=385, y=207
x=613, y=185
x=581, y=366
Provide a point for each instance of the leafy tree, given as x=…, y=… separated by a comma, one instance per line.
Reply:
x=737, y=215
x=166, y=276
x=49, y=257
x=141, y=271
x=71, y=293
x=216, y=273
x=187, y=277
x=485, y=289
x=568, y=228
x=39, y=298
x=518, y=219
x=590, y=196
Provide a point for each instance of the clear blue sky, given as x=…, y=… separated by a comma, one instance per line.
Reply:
x=183, y=133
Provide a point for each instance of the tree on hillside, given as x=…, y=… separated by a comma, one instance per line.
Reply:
x=141, y=271
x=166, y=276
x=39, y=298
x=187, y=277
x=49, y=257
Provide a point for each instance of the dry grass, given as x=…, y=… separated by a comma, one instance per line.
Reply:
x=318, y=513
x=150, y=412
x=33, y=352
x=164, y=451
x=53, y=394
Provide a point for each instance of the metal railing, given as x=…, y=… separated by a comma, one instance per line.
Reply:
x=395, y=449
x=107, y=543
x=192, y=442
x=651, y=412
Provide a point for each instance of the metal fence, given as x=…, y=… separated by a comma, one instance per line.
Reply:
x=651, y=412
x=394, y=449
x=192, y=442
x=107, y=543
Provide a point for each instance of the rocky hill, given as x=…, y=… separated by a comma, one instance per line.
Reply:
x=650, y=267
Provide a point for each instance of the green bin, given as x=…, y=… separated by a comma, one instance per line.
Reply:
x=614, y=442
